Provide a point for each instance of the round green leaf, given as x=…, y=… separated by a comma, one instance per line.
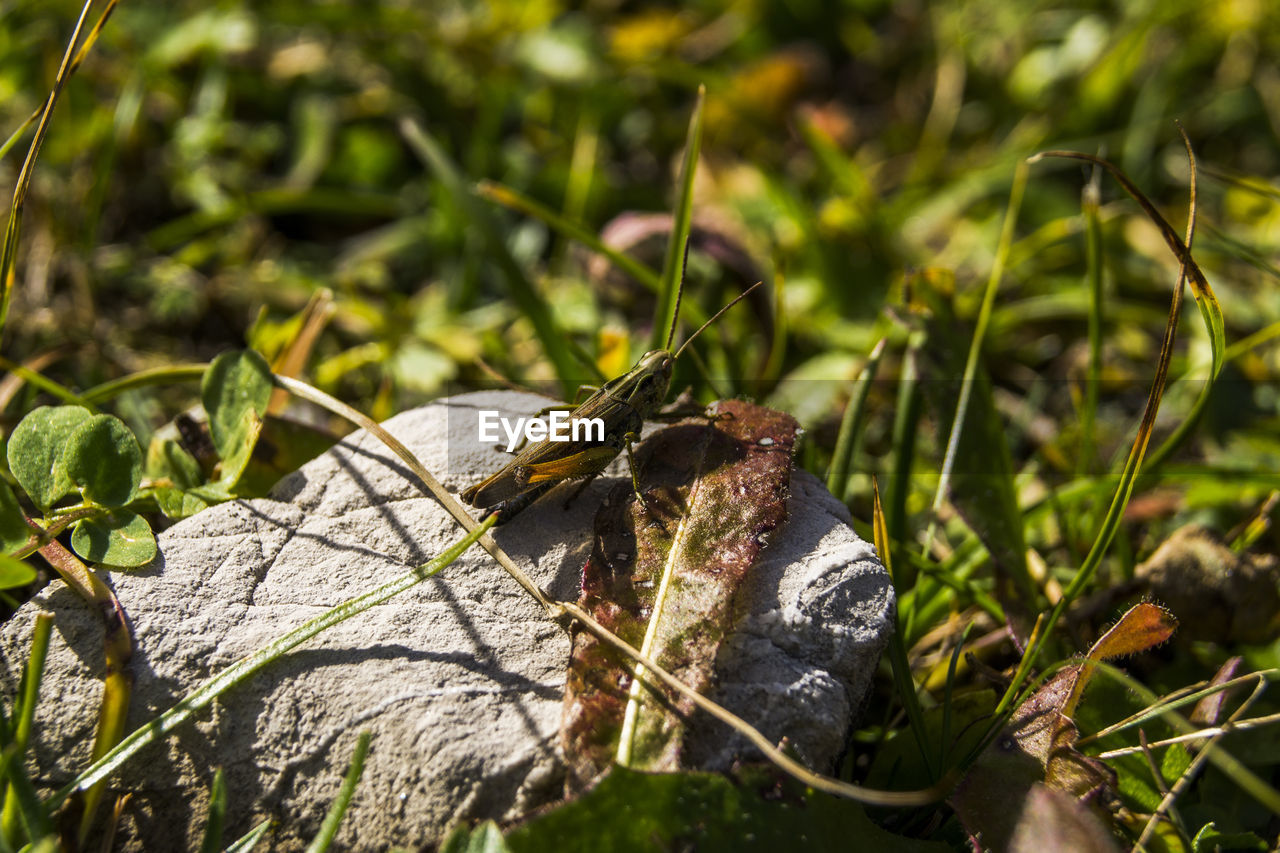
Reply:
x=14, y=572
x=13, y=521
x=121, y=539
x=235, y=385
x=103, y=458
x=35, y=449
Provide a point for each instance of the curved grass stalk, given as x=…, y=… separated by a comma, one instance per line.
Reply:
x=45, y=384
x=142, y=379
x=1211, y=313
x=13, y=230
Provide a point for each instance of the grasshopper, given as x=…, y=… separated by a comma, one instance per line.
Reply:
x=622, y=403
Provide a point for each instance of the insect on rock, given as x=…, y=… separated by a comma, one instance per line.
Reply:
x=622, y=404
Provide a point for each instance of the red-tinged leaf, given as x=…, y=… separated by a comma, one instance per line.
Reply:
x=664, y=577
x=1142, y=627
x=1053, y=822
x=1036, y=747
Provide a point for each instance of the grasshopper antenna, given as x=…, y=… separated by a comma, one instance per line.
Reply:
x=736, y=300
x=684, y=266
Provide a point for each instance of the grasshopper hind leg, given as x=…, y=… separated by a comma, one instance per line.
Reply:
x=510, y=508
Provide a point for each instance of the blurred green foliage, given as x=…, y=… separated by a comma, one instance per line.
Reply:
x=212, y=167
x=211, y=161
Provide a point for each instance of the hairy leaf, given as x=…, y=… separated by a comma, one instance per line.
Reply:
x=103, y=458
x=1143, y=626
x=663, y=577
x=35, y=449
x=1037, y=748
x=1053, y=822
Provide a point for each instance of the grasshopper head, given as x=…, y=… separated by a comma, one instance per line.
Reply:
x=652, y=375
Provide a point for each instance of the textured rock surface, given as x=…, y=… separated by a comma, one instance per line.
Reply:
x=460, y=679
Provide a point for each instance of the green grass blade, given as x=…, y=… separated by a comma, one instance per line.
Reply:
x=13, y=229
x=28, y=692
x=1212, y=315
x=975, y=347
x=948, y=693
x=29, y=689
x=35, y=816
x=212, y=842
x=681, y=223
x=902, y=679
x=851, y=423
x=519, y=287
x=905, y=420
x=333, y=819
x=1090, y=202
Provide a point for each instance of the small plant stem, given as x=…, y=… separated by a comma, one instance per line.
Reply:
x=851, y=423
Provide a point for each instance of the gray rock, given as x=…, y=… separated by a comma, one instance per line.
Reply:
x=460, y=679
